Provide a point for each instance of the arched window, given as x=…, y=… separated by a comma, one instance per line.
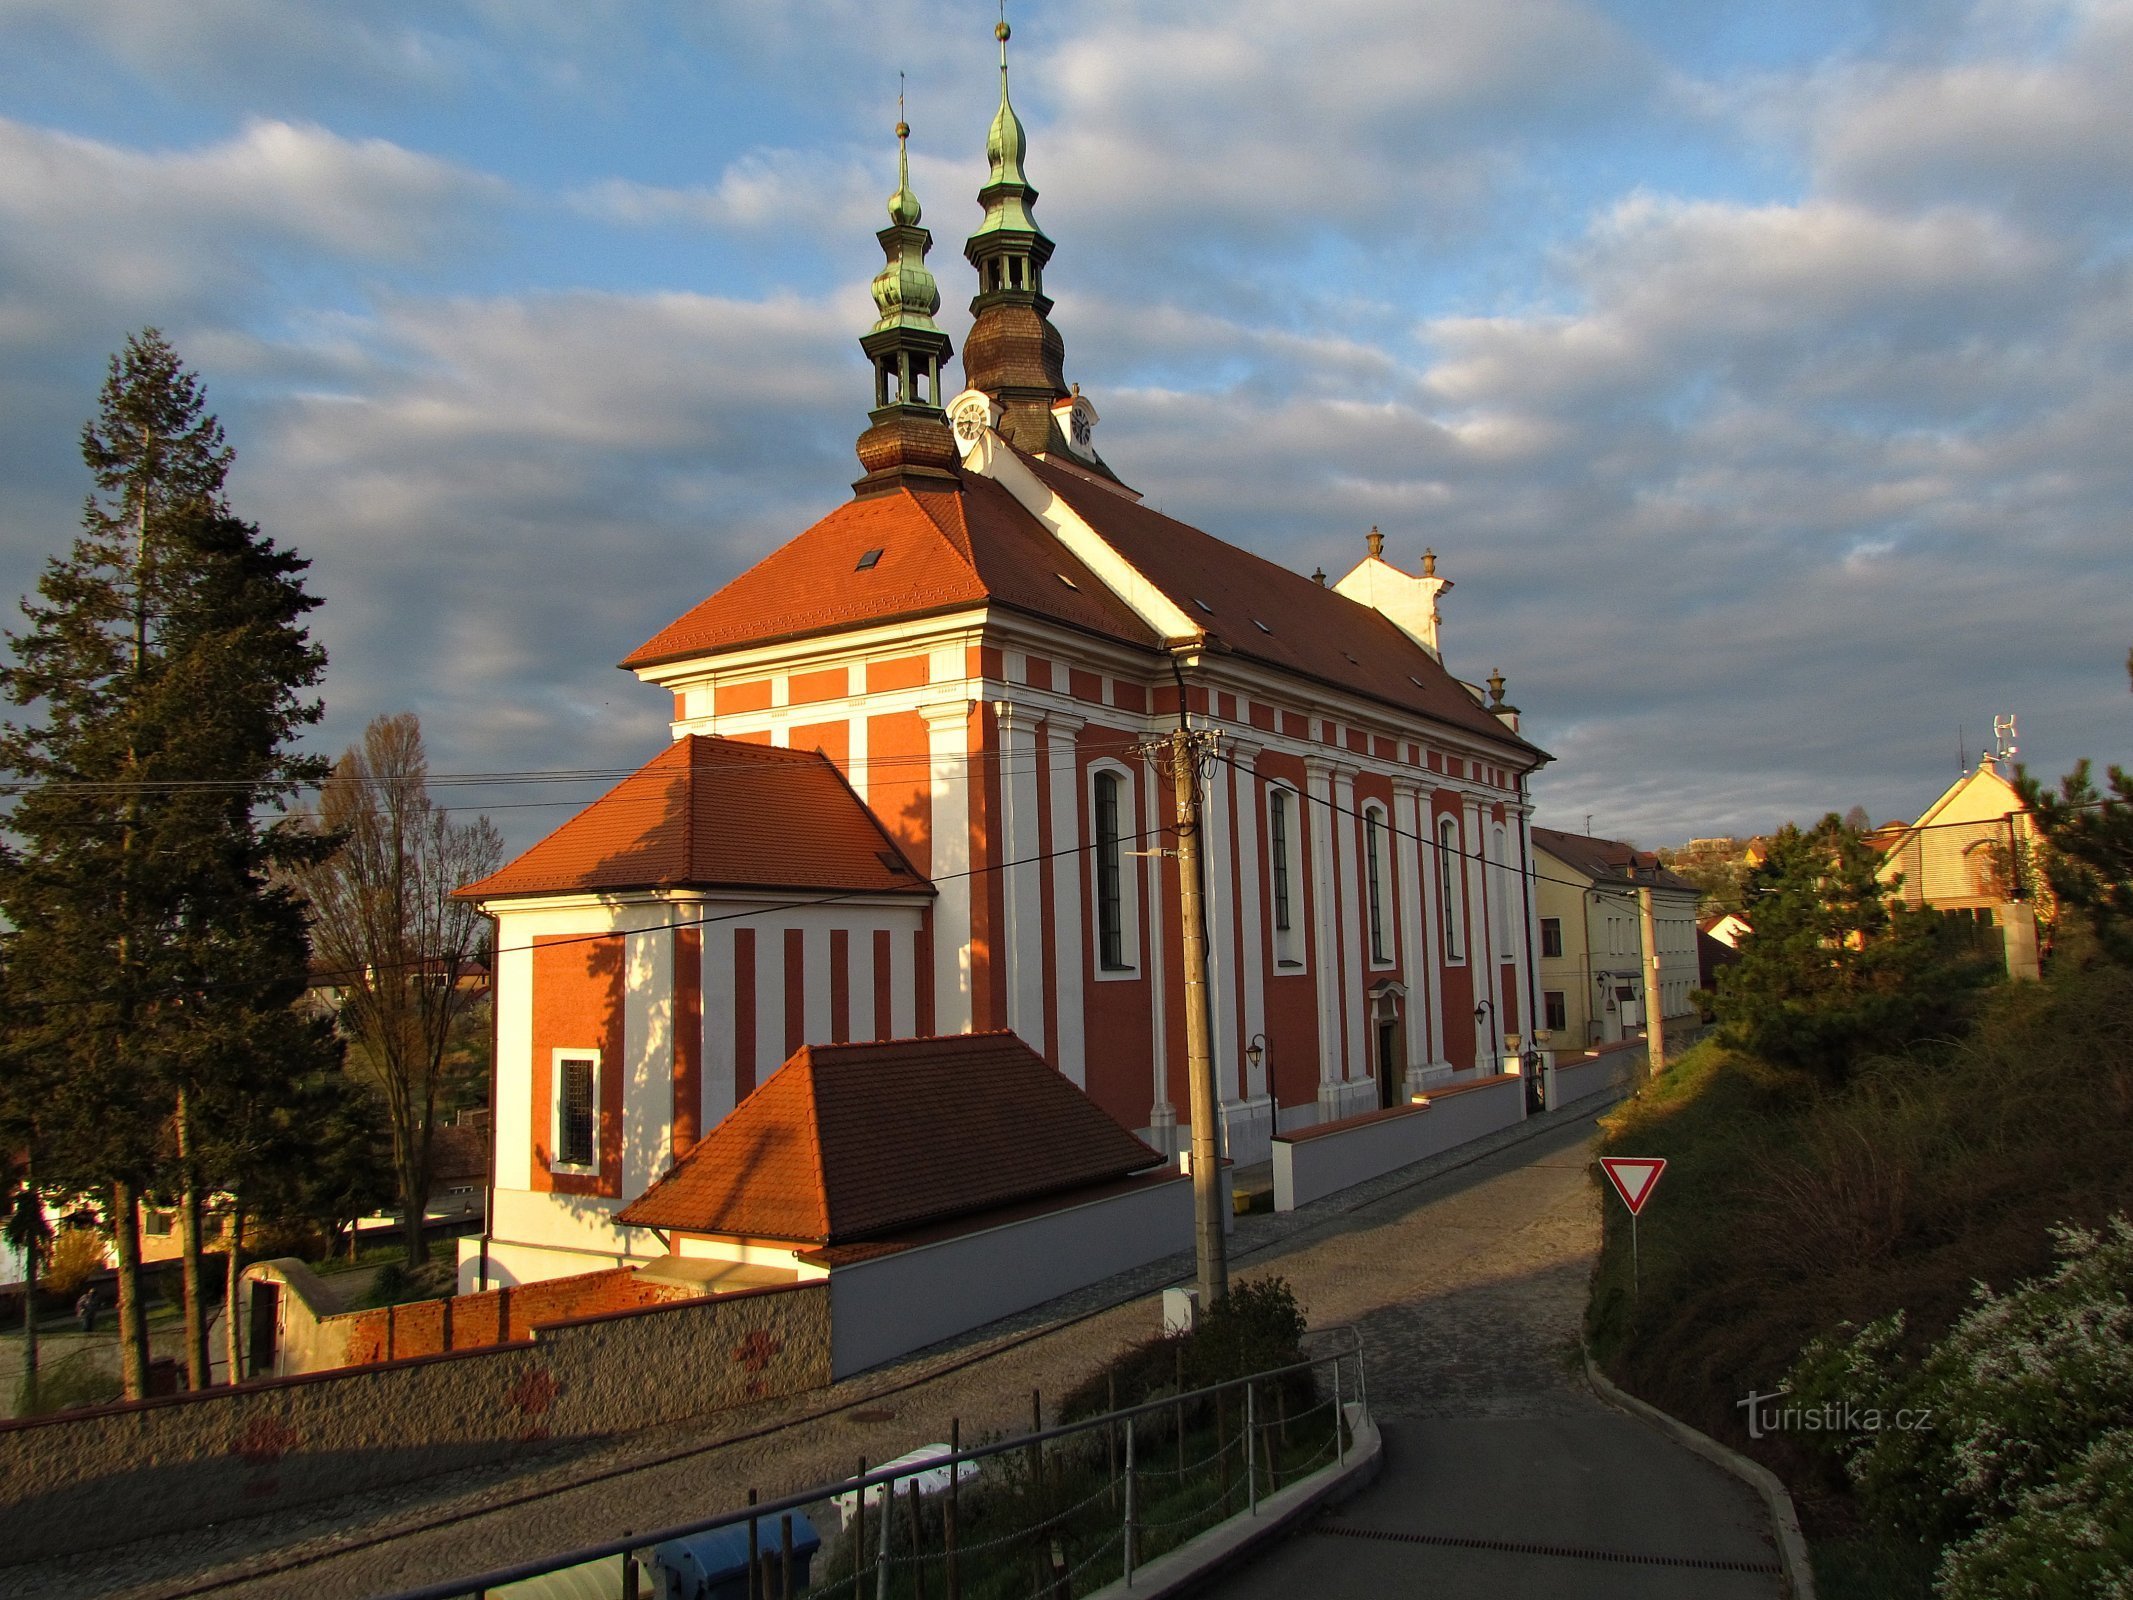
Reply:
x=1376, y=877
x=1113, y=885
x=1451, y=886
x=1499, y=871
x=1285, y=827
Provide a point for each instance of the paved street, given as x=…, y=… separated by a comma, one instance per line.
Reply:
x=1465, y=1275
x=1503, y=1476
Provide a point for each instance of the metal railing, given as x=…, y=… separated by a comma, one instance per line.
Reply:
x=1084, y=1504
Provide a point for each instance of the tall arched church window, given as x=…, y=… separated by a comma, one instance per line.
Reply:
x=1451, y=881
x=1114, y=885
x=1376, y=877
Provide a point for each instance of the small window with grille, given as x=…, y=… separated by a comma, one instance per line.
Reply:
x=577, y=1099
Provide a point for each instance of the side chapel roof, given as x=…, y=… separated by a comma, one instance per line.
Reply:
x=716, y=813
x=848, y=1142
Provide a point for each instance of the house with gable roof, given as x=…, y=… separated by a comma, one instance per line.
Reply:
x=910, y=793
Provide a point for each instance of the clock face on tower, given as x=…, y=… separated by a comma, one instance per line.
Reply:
x=1077, y=420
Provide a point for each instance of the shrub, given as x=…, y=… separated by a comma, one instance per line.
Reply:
x=2071, y=1537
x=1255, y=1327
x=2020, y=1390
x=77, y=1256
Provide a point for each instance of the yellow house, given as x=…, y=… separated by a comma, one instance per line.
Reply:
x=1592, y=943
x=1959, y=855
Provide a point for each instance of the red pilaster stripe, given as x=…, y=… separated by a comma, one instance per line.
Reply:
x=743, y=1013
x=884, y=998
x=840, y=977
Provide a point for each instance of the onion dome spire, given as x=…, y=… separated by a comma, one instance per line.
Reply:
x=1013, y=353
x=908, y=438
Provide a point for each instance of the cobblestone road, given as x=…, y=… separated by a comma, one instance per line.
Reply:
x=1465, y=1275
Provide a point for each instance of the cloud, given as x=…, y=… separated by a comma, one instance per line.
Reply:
x=505, y=494
x=97, y=234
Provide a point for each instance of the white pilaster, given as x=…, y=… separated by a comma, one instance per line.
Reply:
x=648, y=1057
x=769, y=1001
x=1411, y=891
x=1481, y=959
x=1250, y=812
x=1356, y=1044
x=815, y=985
x=1325, y=936
x=718, y=1062
x=1434, y=934
x=1156, y=809
x=1217, y=815
x=1022, y=873
x=948, y=751
x=515, y=1065
x=1064, y=787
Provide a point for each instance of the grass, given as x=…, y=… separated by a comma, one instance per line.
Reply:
x=1788, y=1207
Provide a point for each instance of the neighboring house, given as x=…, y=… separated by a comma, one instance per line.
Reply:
x=1725, y=927
x=1592, y=960
x=912, y=791
x=1972, y=851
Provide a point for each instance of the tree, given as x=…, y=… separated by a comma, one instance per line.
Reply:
x=393, y=938
x=165, y=664
x=2089, y=856
x=1716, y=866
x=1835, y=969
x=29, y=1235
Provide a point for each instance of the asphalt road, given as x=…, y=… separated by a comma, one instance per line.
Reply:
x=1504, y=1477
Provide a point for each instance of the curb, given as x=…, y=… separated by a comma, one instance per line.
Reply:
x=1221, y=1547
x=1785, y=1521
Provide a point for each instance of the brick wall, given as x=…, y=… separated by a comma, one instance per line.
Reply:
x=151, y=1466
x=499, y=1316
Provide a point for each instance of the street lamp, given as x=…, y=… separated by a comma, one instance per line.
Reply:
x=1255, y=1052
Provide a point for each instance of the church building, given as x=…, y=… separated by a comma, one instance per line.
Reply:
x=912, y=792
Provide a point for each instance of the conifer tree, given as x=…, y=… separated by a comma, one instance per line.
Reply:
x=1835, y=968
x=2089, y=856
x=164, y=667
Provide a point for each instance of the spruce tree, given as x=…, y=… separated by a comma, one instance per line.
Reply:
x=2089, y=848
x=1836, y=968
x=165, y=665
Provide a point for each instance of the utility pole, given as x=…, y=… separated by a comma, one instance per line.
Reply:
x=1654, y=1023
x=1211, y=1246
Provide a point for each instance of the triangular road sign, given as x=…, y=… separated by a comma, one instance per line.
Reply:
x=1634, y=1178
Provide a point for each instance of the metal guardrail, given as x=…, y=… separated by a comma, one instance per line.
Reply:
x=1118, y=1424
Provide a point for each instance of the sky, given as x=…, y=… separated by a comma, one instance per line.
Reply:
x=1761, y=375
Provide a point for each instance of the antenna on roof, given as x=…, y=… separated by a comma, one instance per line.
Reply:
x=2003, y=737
x=1962, y=752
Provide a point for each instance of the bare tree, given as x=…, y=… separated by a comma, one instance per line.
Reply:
x=392, y=938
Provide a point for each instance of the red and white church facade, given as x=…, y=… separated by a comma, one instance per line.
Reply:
x=909, y=794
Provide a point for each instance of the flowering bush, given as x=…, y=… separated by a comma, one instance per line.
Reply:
x=2024, y=1443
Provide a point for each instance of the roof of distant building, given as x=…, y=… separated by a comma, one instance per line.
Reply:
x=1610, y=860
x=712, y=813
x=852, y=1142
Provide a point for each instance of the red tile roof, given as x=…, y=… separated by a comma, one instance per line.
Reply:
x=940, y=550
x=713, y=813
x=1610, y=859
x=855, y=1141
x=1308, y=628
x=947, y=548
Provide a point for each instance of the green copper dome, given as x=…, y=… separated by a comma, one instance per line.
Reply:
x=905, y=292
x=1007, y=195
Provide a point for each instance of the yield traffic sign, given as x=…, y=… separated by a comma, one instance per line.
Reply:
x=1634, y=1178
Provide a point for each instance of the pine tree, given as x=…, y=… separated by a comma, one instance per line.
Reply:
x=2088, y=858
x=165, y=662
x=1836, y=969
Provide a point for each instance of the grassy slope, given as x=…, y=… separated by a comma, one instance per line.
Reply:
x=1786, y=1208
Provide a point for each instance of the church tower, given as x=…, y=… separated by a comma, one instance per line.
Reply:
x=908, y=441
x=1014, y=353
